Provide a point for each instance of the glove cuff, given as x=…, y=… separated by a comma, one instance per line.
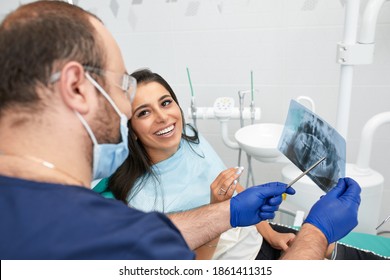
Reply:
x=233, y=218
x=309, y=221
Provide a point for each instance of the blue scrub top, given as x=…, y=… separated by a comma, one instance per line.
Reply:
x=53, y=221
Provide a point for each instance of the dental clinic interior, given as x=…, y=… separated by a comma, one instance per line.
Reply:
x=252, y=57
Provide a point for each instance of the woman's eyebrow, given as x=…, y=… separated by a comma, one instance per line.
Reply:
x=140, y=107
x=147, y=104
x=164, y=96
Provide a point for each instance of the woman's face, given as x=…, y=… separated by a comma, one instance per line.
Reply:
x=156, y=121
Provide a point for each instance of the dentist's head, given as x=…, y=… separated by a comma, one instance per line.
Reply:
x=66, y=88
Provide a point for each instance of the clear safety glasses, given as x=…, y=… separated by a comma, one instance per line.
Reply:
x=125, y=82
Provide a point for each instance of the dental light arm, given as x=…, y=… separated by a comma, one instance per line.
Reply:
x=369, y=20
x=368, y=132
x=352, y=51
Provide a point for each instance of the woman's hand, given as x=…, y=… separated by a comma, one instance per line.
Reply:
x=278, y=240
x=281, y=241
x=225, y=184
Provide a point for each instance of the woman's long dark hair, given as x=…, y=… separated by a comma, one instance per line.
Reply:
x=138, y=164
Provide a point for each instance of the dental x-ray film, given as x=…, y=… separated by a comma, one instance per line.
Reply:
x=306, y=138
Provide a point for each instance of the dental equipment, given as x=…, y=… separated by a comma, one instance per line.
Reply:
x=223, y=110
x=352, y=51
x=252, y=107
x=306, y=99
x=305, y=172
x=193, y=106
x=241, y=96
x=383, y=222
x=366, y=143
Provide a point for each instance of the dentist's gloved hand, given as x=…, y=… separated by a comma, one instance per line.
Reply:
x=335, y=214
x=257, y=203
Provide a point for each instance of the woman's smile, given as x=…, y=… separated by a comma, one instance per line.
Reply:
x=166, y=132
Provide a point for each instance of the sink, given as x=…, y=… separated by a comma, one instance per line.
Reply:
x=261, y=141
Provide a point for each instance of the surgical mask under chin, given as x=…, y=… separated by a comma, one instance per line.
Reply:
x=107, y=157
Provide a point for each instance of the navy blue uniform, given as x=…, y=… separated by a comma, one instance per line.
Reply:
x=52, y=221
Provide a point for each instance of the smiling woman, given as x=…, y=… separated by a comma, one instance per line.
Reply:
x=156, y=131
x=157, y=121
x=172, y=168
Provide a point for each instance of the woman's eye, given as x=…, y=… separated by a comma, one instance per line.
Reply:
x=142, y=114
x=166, y=102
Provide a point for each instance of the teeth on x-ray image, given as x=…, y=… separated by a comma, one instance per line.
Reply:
x=306, y=138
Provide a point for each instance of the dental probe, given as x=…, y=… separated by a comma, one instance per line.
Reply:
x=384, y=221
x=307, y=171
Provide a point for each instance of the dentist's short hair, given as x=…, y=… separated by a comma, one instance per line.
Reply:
x=36, y=40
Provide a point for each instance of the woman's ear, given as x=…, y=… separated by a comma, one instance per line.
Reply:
x=75, y=88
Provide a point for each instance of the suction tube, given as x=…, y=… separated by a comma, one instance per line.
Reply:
x=225, y=136
x=368, y=132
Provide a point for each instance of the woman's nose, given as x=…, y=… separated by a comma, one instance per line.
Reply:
x=161, y=116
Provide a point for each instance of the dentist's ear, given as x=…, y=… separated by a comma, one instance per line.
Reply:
x=75, y=89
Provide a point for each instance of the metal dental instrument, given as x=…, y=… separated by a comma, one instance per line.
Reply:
x=193, y=106
x=384, y=221
x=307, y=171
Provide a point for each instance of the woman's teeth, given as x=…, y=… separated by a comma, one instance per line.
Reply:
x=165, y=130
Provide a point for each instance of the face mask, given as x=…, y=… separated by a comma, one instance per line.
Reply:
x=107, y=157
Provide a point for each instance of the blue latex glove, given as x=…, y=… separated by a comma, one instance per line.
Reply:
x=257, y=203
x=335, y=214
